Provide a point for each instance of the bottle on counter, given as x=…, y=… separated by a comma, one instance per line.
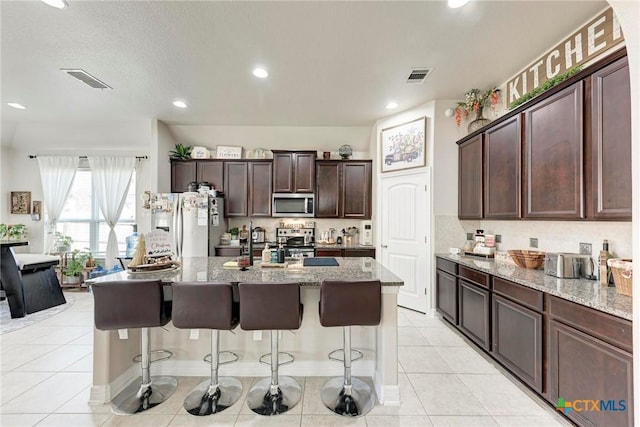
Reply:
x=132, y=242
x=280, y=254
x=604, y=270
x=266, y=253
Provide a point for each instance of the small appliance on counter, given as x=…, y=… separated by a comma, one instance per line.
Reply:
x=567, y=265
x=258, y=235
x=366, y=233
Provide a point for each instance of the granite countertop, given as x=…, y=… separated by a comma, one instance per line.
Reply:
x=582, y=291
x=211, y=269
x=319, y=245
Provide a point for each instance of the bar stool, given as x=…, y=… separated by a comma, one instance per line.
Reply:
x=135, y=304
x=346, y=304
x=274, y=307
x=208, y=305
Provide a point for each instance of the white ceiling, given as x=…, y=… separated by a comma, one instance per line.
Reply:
x=330, y=63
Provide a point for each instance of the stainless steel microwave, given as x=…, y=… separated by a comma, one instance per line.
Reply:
x=292, y=205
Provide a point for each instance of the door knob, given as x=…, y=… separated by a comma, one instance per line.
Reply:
x=384, y=246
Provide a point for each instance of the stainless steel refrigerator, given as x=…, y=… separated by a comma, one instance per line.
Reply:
x=195, y=221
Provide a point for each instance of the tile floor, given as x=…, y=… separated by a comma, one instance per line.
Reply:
x=45, y=374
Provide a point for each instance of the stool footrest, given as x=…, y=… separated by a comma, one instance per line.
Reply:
x=338, y=355
x=266, y=358
x=229, y=357
x=155, y=356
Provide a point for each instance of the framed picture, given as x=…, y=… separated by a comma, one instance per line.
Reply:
x=228, y=152
x=36, y=210
x=21, y=202
x=403, y=146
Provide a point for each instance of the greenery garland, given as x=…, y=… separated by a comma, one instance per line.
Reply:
x=545, y=86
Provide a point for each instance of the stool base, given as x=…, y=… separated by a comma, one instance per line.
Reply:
x=204, y=401
x=262, y=402
x=358, y=403
x=138, y=398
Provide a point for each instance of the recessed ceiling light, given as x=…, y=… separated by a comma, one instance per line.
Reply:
x=391, y=105
x=180, y=104
x=58, y=4
x=454, y=4
x=261, y=73
x=16, y=105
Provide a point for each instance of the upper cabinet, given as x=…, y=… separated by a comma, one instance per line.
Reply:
x=247, y=188
x=470, y=179
x=293, y=171
x=502, y=163
x=343, y=189
x=553, y=157
x=609, y=166
x=184, y=172
x=564, y=155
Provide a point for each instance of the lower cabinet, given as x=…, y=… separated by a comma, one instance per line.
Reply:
x=590, y=360
x=473, y=312
x=447, y=296
x=517, y=340
x=347, y=253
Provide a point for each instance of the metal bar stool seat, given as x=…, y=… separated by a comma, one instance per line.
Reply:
x=136, y=304
x=346, y=304
x=208, y=305
x=274, y=307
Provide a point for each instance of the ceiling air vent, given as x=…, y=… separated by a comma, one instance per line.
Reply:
x=419, y=75
x=86, y=78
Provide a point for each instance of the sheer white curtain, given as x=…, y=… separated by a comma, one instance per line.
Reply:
x=111, y=177
x=56, y=174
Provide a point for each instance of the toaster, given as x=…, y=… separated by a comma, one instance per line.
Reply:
x=567, y=265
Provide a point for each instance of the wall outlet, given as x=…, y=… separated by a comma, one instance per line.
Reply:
x=498, y=238
x=257, y=335
x=469, y=236
x=533, y=242
x=585, y=248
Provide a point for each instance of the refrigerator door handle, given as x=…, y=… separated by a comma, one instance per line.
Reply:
x=177, y=226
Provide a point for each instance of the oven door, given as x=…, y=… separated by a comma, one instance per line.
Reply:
x=299, y=252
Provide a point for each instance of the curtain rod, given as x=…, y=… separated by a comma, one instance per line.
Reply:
x=31, y=156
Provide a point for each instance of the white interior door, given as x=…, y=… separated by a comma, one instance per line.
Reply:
x=404, y=235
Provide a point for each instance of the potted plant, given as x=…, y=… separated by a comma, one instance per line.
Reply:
x=89, y=260
x=63, y=242
x=74, y=267
x=181, y=152
x=17, y=232
x=3, y=231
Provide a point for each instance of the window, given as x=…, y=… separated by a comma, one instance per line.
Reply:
x=82, y=220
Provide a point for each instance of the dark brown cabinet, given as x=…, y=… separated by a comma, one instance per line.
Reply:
x=590, y=358
x=343, y=189
x=293, y=171
x=211, y=171
x=182, y=173
x=473, y=313
x=347, y=253
x=259, y=201
x=236, y=189
x=609, y=195
x=517, y=334
x=447, y=296
x=502, y=165
x=554, y=156
x=470, y=179
x=247, y=188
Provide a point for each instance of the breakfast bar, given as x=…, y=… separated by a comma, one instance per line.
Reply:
x=113, y=352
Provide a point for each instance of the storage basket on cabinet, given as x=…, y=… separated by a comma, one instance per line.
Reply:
x=622, y=274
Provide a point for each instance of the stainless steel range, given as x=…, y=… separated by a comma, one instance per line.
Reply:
x=297, y=242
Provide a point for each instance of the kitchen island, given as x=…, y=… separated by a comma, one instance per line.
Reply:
x=113, y=368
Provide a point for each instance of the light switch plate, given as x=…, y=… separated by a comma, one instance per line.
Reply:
x=498, y=238
x=257, y=335
x=194, y=334
x=469, y=236
x=533, y=242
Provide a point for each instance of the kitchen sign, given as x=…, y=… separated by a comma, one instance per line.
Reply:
x=596, y=37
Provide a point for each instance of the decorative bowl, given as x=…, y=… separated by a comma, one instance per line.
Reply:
x=526, y=258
